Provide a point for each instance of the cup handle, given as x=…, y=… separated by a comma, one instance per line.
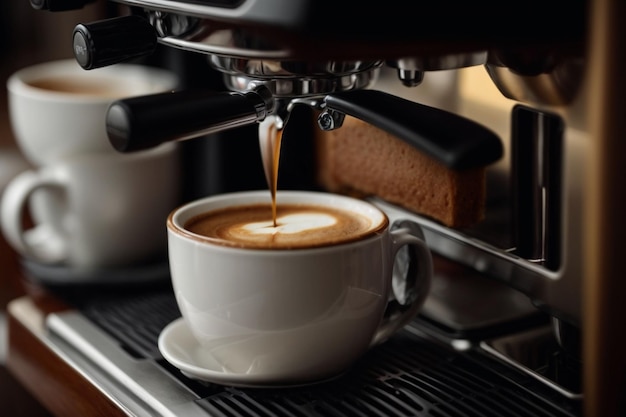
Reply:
x=411, y=278
x=42, y=242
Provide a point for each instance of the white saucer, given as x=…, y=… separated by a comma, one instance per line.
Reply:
x=59, y=274
x=180, y=348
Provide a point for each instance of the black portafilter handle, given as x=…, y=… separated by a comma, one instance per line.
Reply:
x=111, y=41
x=145, y=122
x=457, y=142
x=59, y=5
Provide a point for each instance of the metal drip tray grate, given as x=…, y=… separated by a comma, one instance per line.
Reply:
x=134, y=320
x=409, y=375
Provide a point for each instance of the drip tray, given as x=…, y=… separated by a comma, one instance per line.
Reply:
x=537, y=353
x=410, y=374
x=406, y=376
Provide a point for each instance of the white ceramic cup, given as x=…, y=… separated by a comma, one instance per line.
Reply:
x=300, y=315
x=50, y=123
x=99, y=210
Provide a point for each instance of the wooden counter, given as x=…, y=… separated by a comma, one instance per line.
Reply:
x=15, y=400
x=43, y=372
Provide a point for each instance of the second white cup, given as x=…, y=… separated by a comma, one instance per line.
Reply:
x=96, y=210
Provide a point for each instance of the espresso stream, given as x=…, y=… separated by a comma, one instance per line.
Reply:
x=270, y=139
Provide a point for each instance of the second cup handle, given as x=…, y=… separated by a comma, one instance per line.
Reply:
x=40, y=243
x=411, y=289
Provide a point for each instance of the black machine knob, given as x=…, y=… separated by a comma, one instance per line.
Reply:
x=59, y=5
x=111, y=41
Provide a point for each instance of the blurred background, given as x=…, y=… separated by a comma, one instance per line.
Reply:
x=27, y=37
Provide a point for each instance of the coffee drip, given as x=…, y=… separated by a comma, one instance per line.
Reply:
x=270, y=139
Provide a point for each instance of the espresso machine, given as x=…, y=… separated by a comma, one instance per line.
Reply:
x=553, y=220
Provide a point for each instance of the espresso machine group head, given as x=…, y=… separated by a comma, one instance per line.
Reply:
x=275, y=54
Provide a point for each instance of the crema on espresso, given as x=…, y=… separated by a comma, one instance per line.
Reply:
x=67, y=85
x=297, y=226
